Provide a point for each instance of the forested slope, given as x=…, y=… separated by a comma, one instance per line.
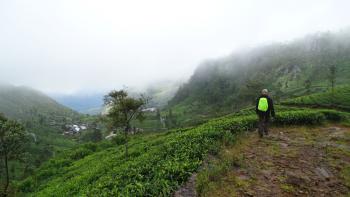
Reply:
x=288, y=70
x=42, y=118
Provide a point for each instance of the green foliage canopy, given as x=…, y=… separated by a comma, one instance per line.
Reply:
x=12, y=142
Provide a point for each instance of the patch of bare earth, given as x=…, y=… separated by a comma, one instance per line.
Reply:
x=189, y=189
x=298, y=161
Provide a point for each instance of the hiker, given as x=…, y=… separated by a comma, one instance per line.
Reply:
x=264, y=109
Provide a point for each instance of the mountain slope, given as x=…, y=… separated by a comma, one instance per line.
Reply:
x=26, y=104
x=288, y=70
x=42, y=118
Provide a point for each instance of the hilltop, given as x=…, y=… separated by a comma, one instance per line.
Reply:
x=24, y=103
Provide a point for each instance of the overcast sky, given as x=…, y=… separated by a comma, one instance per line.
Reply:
x=68, y=46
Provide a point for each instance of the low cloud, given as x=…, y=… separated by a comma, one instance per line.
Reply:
x=84, y=45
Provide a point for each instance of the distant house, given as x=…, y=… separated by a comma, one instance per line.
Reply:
x=151, y=109
x=76, y=128
x=73, y=129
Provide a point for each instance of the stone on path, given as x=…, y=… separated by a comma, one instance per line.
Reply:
x=322, y=173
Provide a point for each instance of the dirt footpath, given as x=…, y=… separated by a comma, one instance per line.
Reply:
x=298, y=161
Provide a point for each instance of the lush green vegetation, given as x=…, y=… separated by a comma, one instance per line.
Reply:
x=151, y=123
x=158, y=163
x=288, y=70
x=339, y=98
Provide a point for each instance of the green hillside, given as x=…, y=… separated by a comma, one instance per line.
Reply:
x=42, y=118
x=40, y=114
x=339, y=98
x=26, y=104
x=158, y=163
x=288, y=70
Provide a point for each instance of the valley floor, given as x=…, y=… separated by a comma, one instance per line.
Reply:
x=293, y=161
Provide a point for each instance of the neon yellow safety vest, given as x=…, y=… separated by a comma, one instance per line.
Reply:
x=263, y=104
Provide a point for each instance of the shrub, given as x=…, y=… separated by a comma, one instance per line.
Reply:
x=303, y=117
x=80, y=153
x=119, y=140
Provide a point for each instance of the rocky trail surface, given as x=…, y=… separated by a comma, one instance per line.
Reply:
x=293, y=161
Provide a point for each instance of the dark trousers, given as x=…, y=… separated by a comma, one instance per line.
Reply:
x=263, y=124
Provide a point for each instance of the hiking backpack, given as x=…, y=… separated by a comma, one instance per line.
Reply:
x=263, y=104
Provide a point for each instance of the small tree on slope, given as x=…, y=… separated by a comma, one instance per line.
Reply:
x=122, y=109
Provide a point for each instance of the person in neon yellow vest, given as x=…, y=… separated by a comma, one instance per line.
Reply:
x=264, y=109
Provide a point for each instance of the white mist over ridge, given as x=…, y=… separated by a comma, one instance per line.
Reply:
x=69, y=47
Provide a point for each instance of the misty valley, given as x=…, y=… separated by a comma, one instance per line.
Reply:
x=182, y=99
x=170, y=130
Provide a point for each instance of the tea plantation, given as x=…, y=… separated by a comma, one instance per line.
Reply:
x=158, y=163
x=340, y=99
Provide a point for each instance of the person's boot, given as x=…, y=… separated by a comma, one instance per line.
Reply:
x=261, y=134
x=266, y=132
